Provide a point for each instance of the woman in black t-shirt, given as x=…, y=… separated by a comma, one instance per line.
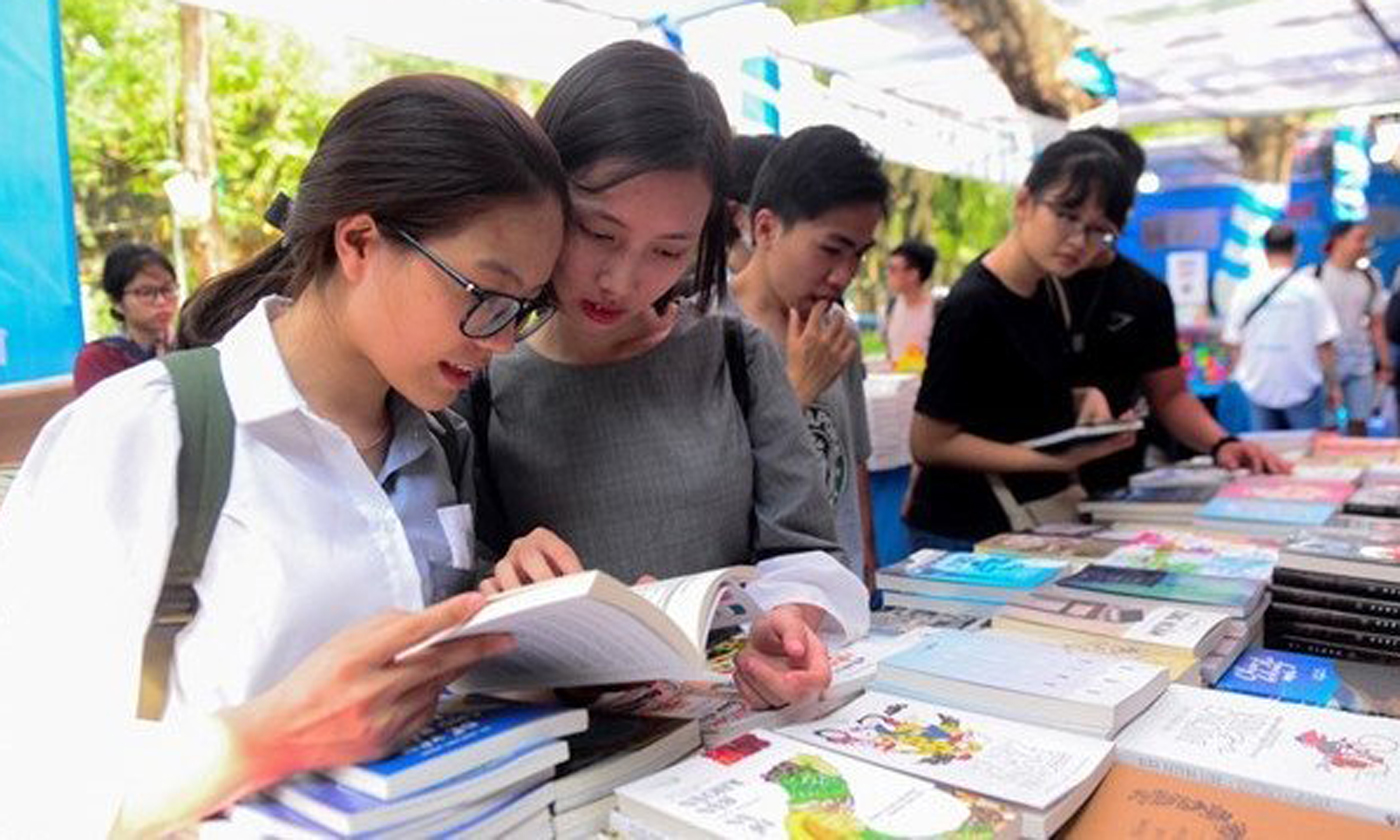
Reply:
x=998, y=365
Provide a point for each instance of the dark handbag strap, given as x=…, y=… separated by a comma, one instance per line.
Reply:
x=736, y=360
x=1263, y=301
x=202, y=481
x=442, y=427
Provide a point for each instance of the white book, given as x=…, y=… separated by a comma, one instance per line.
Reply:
x=585, y=821
x=766, y=785
x=1312, y=757
x=1044, y=774
x=1075, y=434
x=1172, y=627
x=1024, y=680
x=590, y=629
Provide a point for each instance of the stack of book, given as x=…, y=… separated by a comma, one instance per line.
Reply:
x=1336, y=593
x=940, y=581
x=767, y=785
x=1270, y=504
x=1194, y=473
x=482, y=767
x=1024, y=680
x=1306, y=756
x=1070, y=549
x=1316, y=680
x=1157, y=505
x=1241, y=601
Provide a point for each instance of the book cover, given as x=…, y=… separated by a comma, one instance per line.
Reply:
x=1266, y=512
x=1284, y=488
x=1013, y=762
x=1075, y=549
x=1357, y=553
x=894, y=621
x=1315, y=681
x=1189, y=495
x=1136, y=803
x=1168, y=626
x=1310, y=757
x=990, y=570
x=466, y=734
x=982, y=671
x=1181, y=476
x=616, y=749
x=1252, y=562
x=1091, y=431
x=1381, y=449
x=766, y=785
x=1375, y=500
x=1240, y=593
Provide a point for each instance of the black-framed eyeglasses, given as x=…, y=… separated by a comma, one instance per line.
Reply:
x=1070, y=224
x=489, y=312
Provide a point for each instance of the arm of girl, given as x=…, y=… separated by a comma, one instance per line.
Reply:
x=349, y=701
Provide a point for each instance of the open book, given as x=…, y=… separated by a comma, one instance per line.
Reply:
x=1076, y=434
x=591, y=629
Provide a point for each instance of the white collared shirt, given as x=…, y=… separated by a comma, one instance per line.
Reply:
x=308, y=543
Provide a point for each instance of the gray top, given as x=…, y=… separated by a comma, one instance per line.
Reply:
x=840, y=432
x=647, y=466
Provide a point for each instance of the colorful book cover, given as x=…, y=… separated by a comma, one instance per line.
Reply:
x=1015, y=762
x=1383, y=449
x=1375, y=500
x=1315, y=681
x=1344, y=545
x=1254, y=563
x=1266, y=511
x=1311, y=757
x=1283, y=488
x=970, y=569
x=766, y=785
x=1189, y=495
x=1136, y=803
x=1167, y=586
x=466, y=734
x=1079, y=549
x=1179, y=476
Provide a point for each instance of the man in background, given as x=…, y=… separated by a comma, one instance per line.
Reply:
x=909, y=320
x=1123, y=341
x=1359, y=299
x=746, y=155
x=1279, y=332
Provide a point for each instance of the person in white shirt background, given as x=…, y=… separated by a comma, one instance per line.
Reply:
x=909, y=323
x=426, y=226
x=1359, y=299
x=1279, y=332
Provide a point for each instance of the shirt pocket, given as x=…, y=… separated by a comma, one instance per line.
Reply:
x=459, y=527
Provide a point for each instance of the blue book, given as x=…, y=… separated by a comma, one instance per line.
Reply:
x=266, y=817
x=939, y=573
x=465, y=735
x=1266, y=512
x=1315, y=681
x=348, y=811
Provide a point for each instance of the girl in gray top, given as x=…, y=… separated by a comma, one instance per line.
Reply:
x=620, y=425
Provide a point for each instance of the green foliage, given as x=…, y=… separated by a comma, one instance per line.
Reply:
x=806, y=11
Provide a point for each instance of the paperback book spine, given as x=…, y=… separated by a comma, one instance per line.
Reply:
x=1285, y=611
x=1360, y=586
x=1323, y=647
x=1337, y=601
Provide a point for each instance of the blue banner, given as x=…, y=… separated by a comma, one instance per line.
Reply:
x=41, y=320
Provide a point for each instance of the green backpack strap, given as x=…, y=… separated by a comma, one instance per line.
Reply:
x=202, y=481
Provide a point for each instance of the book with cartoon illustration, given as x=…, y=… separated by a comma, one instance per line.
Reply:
x=591, y=629
x=1133, y=802
x=1310, y=757
x=1170, y=626
x=1043, y=773
x=767, y=785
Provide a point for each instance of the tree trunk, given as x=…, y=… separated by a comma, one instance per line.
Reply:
x=1025, y=42
x=1265, y=145
x=197, y=152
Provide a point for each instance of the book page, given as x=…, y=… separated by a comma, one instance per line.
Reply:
x=690, y=600
x=580, y=642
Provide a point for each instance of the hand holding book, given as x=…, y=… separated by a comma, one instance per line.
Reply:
x=785, y=661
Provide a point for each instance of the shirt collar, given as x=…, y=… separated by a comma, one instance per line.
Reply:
x=255, y=376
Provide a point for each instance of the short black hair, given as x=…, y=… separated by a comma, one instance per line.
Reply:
x=1127, y=148
x=1280, y=239
x=1085, y=167
x=747, y=152
x=123, y=263
x=1338, y=230
x=922, y=256
x=815, y=170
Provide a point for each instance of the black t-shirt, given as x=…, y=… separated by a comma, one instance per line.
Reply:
x=998, y=367
x=1123, y=327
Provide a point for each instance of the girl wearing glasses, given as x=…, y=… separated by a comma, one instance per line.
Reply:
x=141, y=284
x=998, y=363
x=619, y=425
x=426, y=225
